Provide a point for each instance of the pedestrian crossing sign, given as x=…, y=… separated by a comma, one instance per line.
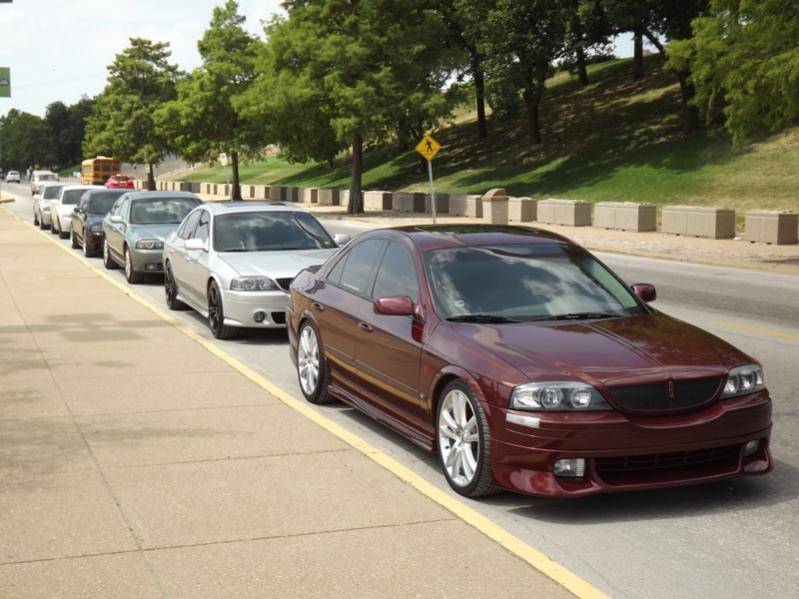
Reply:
x=428, y=147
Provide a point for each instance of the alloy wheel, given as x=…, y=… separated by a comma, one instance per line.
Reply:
x=128, y=264
x=459, y=437
x=308, y=360
x=214, y=309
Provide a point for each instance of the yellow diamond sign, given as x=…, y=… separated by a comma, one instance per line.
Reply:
x=428, y=147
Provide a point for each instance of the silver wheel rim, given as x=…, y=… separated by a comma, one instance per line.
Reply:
x=128, y=265
x=308, y=360
x=458, y=437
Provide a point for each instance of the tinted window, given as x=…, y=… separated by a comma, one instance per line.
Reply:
x=51, y=192
x=203, y=227
x=187, y=228
x=72, y=196
x=360, y=266
x=269, y=231
x=160, y=211
x=102, y=202
x=524, y=282
x=397, y=274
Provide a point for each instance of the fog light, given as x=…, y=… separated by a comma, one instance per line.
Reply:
x=573, y=467
x=751, y=448
x=259, y=317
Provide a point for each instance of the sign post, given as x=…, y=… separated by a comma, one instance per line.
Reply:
x=429, y=148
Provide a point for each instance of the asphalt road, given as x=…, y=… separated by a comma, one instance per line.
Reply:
x=738, y=538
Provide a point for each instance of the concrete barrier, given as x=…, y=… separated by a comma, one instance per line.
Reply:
x=405, y=201
x=573, y=213
x=328, y=197
x=344, y=197
x=310, y=195
x=442, y=203
x=626, y=216
x=522, y=210
x=772, y=226
x=292, y=194
x=276, y=193
x=495, y=207
x=699, y=221
x=466, y=205
x=377, y=200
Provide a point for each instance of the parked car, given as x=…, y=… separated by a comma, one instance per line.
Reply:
x=62, y=207
x=87, y=219
x=13, y=177
x=526, y=364
x=135, y=228
x=119, y=181
x=233, y=262
x=42, y=204
x=40, y=177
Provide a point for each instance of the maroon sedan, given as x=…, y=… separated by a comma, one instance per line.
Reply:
x=525, y=363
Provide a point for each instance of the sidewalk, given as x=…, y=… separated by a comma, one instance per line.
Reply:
x=135, y=463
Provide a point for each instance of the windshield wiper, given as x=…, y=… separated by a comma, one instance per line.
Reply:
x=487, y=318
x=579, y=316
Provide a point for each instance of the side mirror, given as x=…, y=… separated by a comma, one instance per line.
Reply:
x=194, y=245
x=645, y=292
x=342, y=239
x=116, y=219
x=395, y=305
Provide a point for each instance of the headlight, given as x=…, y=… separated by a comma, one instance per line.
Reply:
x=253, y=284
x=96, y=228
x=149, y=244
x=744, y=380
x=558, y=396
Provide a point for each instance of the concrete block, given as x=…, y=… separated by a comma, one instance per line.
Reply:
x=495, y=207
x=277, y=193
x=292, y=194
x=442, y=203
x=405, y=201
x=466, y=205
x=378, y=200
x=522, y=210
x=772, y=226
x=572, y=213
x=328, y=197
x=344, y=197
x=699, y=221
x=310, y=195
x=626, y=216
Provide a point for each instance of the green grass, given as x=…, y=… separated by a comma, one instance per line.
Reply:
x=67, y=172
x=612, y=140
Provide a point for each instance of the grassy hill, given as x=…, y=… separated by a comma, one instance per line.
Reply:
x=612, y=140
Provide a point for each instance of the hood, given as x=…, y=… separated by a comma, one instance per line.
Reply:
x=160, y=232
x=614, y=351
x=280, y=264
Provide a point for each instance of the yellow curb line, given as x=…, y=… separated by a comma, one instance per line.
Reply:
x=746, y=328
x=492, y=530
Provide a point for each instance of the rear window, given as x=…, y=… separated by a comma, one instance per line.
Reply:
x=101, y=203
x=51, y=192
x=72, y=196
x=161, y=211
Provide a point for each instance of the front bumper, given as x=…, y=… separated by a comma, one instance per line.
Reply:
x=147, y=261
x=624, y=453
x=241, y=308
x=46, y=218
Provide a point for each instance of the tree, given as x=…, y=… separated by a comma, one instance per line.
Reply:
x=204, y=121
x=140, y=80
x=68, y=125
x=587, y=30
x=520, y=43
x=26, y=140
x=633, y=16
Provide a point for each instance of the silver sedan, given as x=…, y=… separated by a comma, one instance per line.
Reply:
x=233, y=262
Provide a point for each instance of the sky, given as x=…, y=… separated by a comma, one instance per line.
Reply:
x=59, y=49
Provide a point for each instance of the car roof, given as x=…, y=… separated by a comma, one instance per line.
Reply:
x=230, y=207
x=144, y=195
x=430, y=237
x=53, y=184
x=114, y=191
x=77, y=187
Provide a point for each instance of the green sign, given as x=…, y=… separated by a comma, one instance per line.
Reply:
x=5, y=82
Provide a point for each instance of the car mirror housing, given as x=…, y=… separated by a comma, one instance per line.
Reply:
x=194, y=244
x=341, y=238
x=116, y=219
x=645, y=292
x=395, y=305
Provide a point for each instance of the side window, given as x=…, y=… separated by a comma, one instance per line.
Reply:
x=187, y=228
x=360, y=266
x=397, y=274
x=123, y=209
x=203, y=227
x=335, y=274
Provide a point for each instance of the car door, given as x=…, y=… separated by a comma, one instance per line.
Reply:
x=176, y=250
x=115, y=236
x=196, y=261
x=339, y=305
x=387, y=352
x=79, y=218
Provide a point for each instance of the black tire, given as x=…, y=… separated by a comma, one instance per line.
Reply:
x=171, y=290
x=61, y=233
x=42, y=226
x=216, y=314
x=319, y=395
x=85, y=246
x=481, y=483
x=131, y=276
x=74, y=240
x=108, y=260
x=35, y=219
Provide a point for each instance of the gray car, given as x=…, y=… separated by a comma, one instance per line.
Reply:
x=233, y=262
x=135, y=228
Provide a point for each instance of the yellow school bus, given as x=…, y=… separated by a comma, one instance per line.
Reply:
x=96, y=171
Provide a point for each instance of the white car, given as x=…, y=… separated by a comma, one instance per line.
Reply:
x=41, y=177
x=42, y=202
x=233, y=262
x=13, y=177
x=61, y=209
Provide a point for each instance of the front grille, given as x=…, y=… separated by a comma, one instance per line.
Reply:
x=284, y=284
x=680, y=465
x=279, y=317
x=655, y=397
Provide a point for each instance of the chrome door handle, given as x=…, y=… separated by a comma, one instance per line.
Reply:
x=365, y=326
x=318, y=306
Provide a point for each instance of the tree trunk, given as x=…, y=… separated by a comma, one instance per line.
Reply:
x=356, y=197
x=532, y=99
x=690, y=113
x=150, y=177
x=480, y=97
x=235, y=192
x=582, y=71
x=638, y=54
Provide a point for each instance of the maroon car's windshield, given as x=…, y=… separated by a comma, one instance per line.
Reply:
x=524, y=282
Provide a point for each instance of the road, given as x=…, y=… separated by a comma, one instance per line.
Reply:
x=738, y=538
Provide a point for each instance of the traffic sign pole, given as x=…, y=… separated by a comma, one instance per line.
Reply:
x=432, y=189
x=429, y=148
